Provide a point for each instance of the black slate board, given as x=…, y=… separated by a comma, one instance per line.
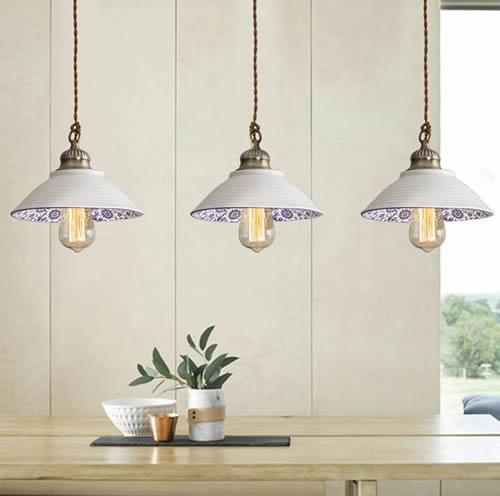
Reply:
x=184, y=441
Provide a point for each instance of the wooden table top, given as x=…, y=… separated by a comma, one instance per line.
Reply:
x=321, y=449
x=430, y=425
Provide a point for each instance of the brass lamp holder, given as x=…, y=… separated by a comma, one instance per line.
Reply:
x=425, y=157
x=255, y=158
x=74, y=157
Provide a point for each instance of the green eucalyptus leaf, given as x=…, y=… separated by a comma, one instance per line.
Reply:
x=198, y=376
x=160, y=364
x=185, y=371
x=158, y=385
x=214, y=367
x=219, y=382
x=192, y=366
x=141, y=380
x=151, y=372
x=189, y=372
x=192, y=370
x=141, y=370
x=228, y=361
x=210, y=351
x=182, y=370
x=200, y=369
x=204, y=337
x=191, y=342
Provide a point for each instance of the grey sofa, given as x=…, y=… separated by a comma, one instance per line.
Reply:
x=482, y=404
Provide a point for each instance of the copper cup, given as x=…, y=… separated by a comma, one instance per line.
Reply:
x=163, y=426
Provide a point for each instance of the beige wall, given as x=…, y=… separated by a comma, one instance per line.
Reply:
x=339, y=317
x=24, y=145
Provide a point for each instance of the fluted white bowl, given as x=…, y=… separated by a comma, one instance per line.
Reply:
x=130, y=415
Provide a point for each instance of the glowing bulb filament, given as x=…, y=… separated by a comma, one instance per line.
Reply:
x=256, y=228
x=427, y=225
x=76, y=230
x=76, y=225
x=257, y=225
x=427, y=229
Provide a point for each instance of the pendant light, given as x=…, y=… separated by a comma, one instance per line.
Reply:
x=75, y=195
x=425, y=195
x=255, y=195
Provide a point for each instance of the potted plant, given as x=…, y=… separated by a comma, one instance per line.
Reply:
x=204, y=382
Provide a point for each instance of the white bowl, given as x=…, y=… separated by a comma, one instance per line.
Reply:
x=130, y=415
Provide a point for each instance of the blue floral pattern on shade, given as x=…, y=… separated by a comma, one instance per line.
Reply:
x=54, y=214
x=234, y=214
x=404, y=214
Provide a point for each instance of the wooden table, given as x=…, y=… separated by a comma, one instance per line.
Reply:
x=359, y=450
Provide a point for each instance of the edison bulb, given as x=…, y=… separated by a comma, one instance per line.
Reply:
x=256, y=228
x=427, y=228
x=76, y=229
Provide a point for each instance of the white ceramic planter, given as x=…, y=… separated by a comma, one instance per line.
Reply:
x=130, y=415
x=206, y=398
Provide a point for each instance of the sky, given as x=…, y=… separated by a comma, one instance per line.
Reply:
x=470, y=145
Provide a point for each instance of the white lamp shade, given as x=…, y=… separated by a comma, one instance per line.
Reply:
x=76, y=188
x=427, y=188
x=256, y=188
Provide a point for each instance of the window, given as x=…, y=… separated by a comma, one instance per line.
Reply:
x=470, y=257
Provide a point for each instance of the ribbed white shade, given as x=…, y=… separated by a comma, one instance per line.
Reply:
x=427, y=188
x=76, y=188
x=256, y=188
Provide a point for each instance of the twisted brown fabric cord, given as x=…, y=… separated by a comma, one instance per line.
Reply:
x=425, y=128
x=75, y=127
x=254, y=127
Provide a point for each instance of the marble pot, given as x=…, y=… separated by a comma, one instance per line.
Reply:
x=206, y=398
